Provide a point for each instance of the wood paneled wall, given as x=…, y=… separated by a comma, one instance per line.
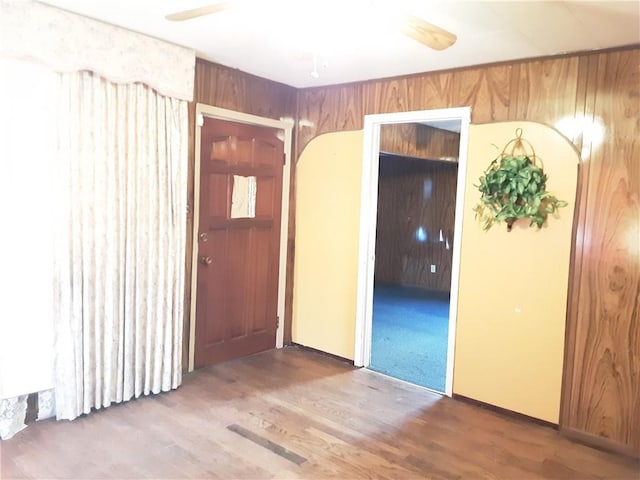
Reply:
x=541, y=90
x=419, y=141
x=224, y=87
x=416, y=201
x=602, y=369
x=602, y=377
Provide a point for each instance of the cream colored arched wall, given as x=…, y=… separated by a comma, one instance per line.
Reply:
x=513, y=286
x=328, y=176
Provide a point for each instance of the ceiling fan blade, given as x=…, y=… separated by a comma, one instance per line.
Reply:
x=426, y=33
x=199, y=12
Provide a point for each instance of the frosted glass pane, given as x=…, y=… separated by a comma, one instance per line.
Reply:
x=243, y=198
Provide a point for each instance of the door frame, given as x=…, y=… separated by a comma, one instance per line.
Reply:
x=368, y=224
x=284, y=124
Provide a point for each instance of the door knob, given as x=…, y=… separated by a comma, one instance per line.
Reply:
x=206, y=260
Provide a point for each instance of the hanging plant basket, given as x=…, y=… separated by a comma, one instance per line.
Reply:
x=515, y=187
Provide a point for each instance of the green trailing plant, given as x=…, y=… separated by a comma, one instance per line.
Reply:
x=515, y=187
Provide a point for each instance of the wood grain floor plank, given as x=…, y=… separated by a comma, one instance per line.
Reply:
x=344, y=422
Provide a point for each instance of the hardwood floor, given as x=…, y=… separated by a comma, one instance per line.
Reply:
x=298, y=414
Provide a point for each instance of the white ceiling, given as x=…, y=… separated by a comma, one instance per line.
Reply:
x=355, y=39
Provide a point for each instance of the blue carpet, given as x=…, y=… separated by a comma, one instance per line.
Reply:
x=410, y=328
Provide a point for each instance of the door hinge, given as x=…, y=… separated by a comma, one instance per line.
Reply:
x=284, y=158
x=277, y=322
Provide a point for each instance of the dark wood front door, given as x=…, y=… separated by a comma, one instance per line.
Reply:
x=238, y=240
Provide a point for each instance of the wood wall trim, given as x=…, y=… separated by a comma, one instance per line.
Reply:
x=598, y=442
x=288, y=303
x=584, y=105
